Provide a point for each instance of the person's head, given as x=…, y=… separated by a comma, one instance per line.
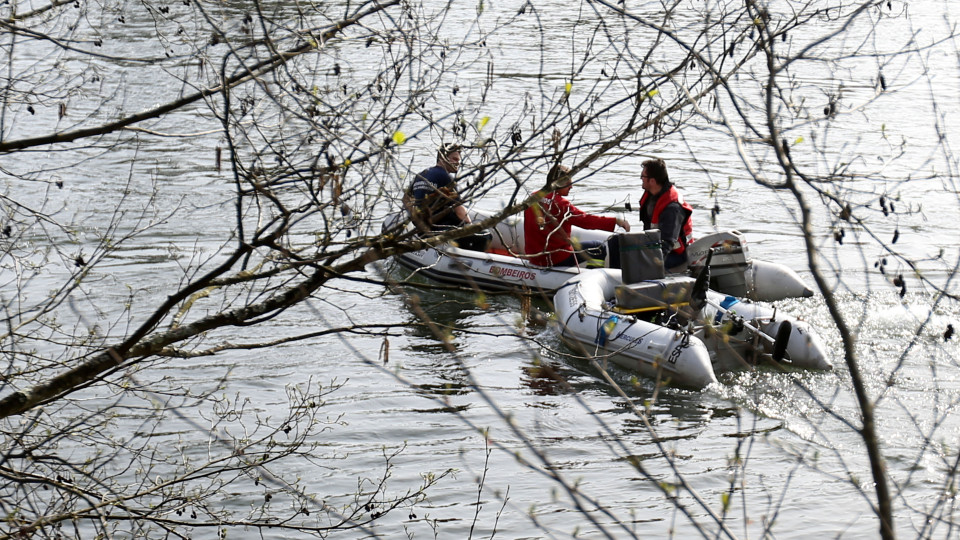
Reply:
x=654, y=177
x=448, y=157
x=559, y=176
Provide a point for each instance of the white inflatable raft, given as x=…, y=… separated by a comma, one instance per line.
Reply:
x=650, y=328
x=503, y=265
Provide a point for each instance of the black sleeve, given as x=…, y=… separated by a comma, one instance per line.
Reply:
x=670, y=227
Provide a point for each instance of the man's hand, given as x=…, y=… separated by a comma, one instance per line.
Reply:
x=623, y=223
x=461, y=213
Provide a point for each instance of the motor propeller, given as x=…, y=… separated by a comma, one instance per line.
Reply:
x=782, y=340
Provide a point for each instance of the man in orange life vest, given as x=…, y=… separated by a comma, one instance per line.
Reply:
x=547, y=224
x=662, y=207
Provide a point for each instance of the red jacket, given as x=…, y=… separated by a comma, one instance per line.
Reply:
x=685, y=235
x=546, y=228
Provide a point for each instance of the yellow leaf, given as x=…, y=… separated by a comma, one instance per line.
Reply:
x=798, y=141
x=399, y=137
x=653, y=93
x=569, y=87
x=346, y=163
x=483, y=121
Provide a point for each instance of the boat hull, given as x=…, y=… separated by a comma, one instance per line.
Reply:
x=726, y=335
x=804, y=350
x=651, y=350
x=498, y=269
x=503, y=267
x=484, y=271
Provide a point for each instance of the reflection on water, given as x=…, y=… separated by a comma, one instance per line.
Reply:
x=452, y=379
x=547, y=378
x=683, y=416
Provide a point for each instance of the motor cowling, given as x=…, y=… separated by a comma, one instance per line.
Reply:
x=734, y=272
x=726, y=253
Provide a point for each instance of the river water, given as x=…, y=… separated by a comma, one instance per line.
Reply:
x=508, y=409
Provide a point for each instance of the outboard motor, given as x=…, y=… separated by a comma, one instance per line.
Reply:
x=726, y=254
x=734, y=272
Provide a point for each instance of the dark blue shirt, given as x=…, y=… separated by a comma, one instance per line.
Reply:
x=434, y=193
x=429, y=181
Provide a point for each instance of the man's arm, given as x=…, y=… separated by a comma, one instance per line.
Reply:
x=461, y=213
x=670, y=227
x=584, y=220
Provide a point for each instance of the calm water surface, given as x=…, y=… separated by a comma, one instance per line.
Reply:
x=757, y=435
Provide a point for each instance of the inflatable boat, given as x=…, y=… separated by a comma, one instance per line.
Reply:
x=503, y=264
x=673, y=329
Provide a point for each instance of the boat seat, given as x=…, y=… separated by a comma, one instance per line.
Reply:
x=654, y=294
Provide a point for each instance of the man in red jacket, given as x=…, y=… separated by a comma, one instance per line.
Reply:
x=547, y=224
